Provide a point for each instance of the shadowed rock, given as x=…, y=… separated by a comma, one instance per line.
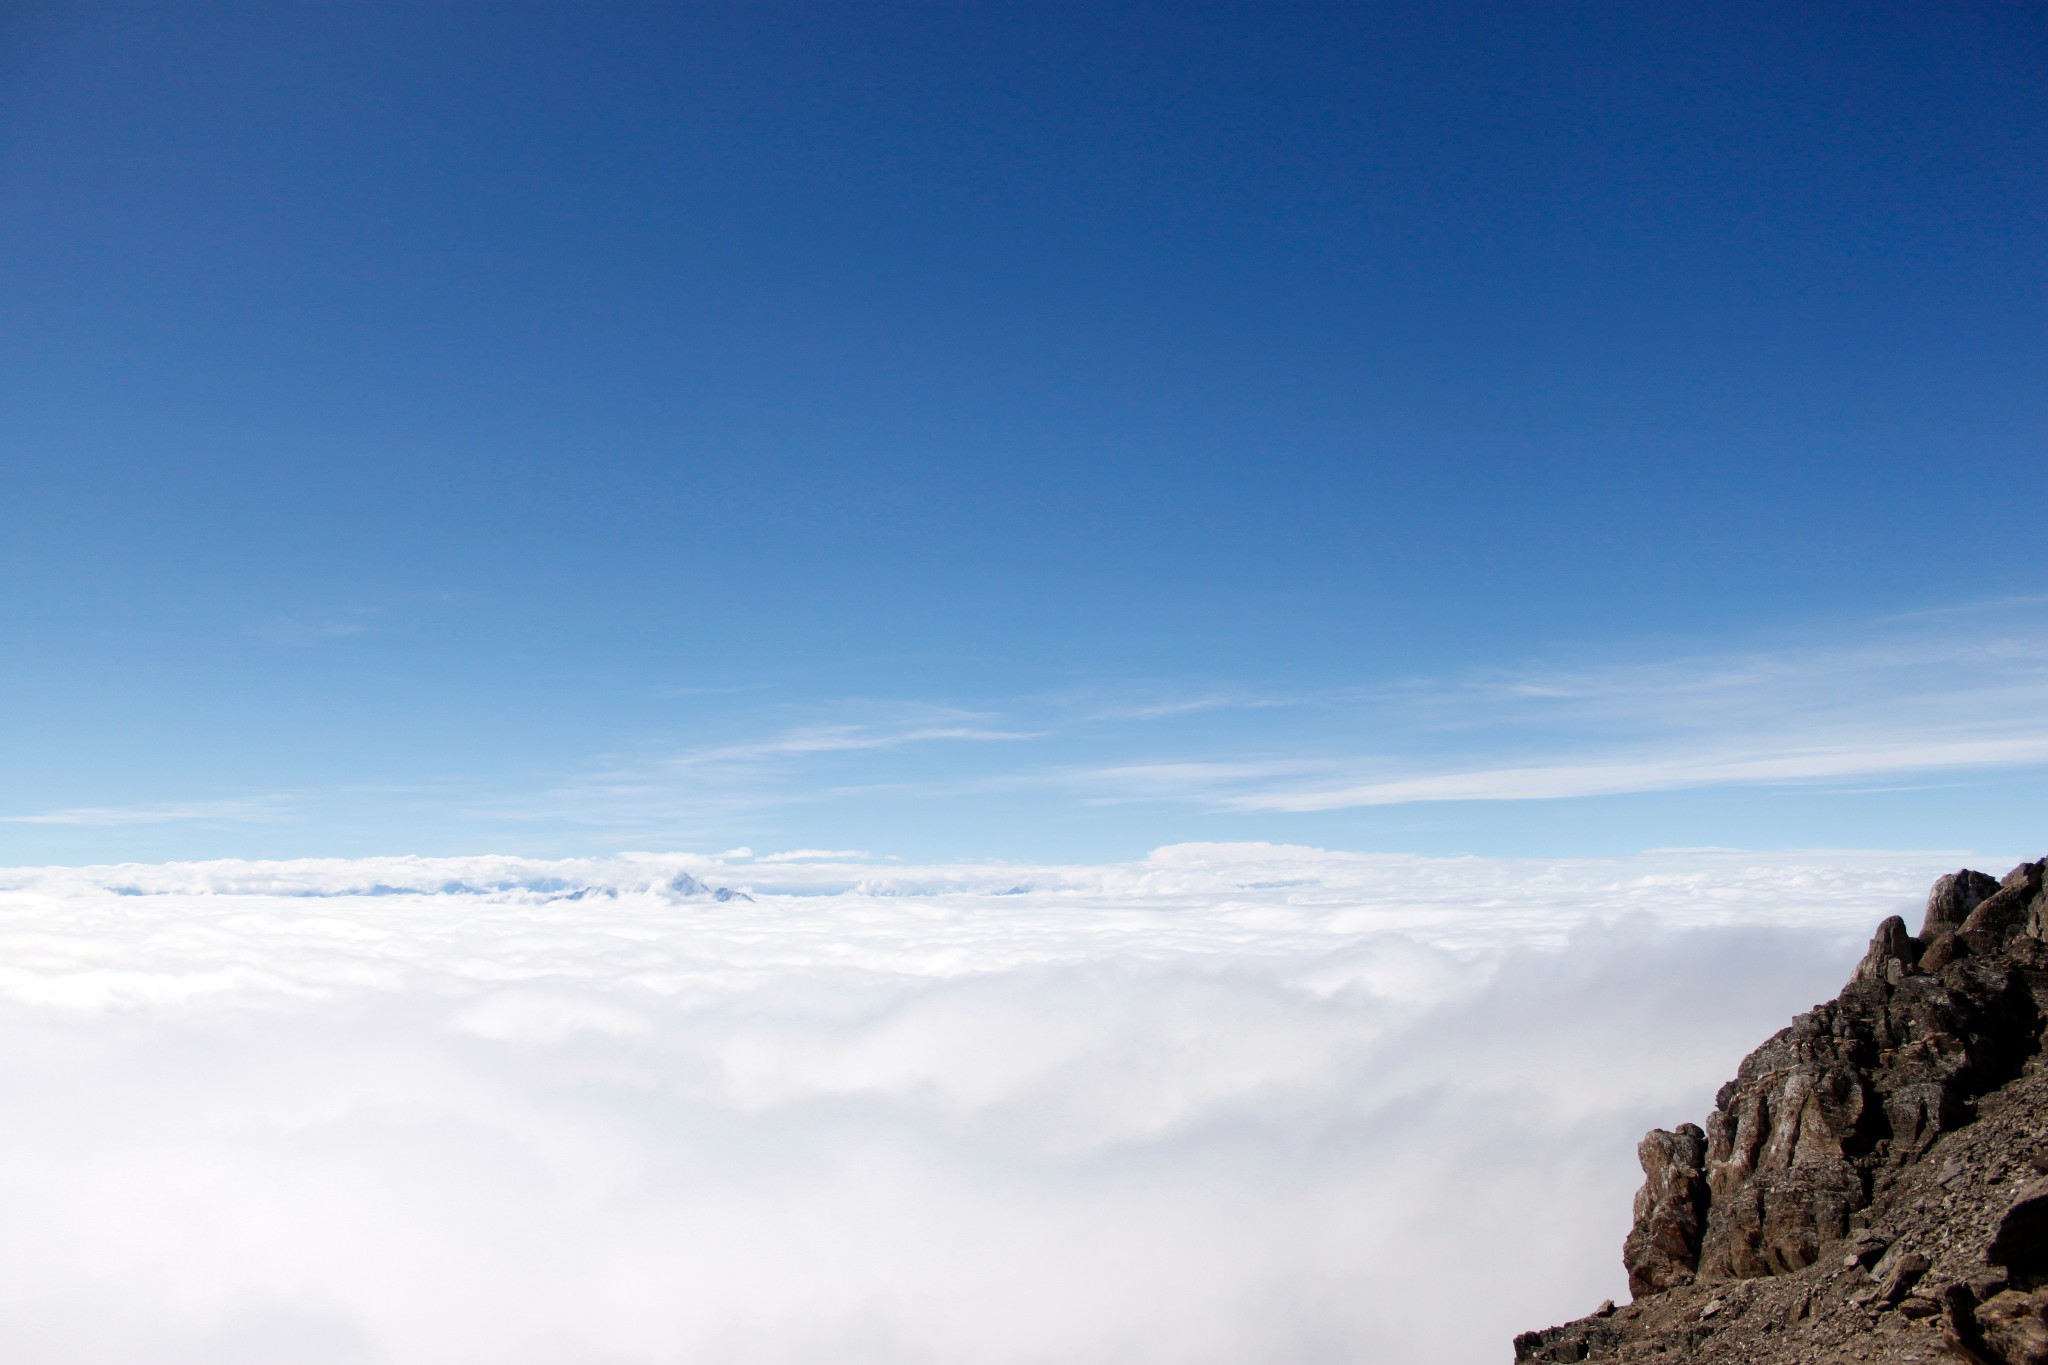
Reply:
x=2021, y=1242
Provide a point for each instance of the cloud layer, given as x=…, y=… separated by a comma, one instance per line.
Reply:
x=1230, y=1102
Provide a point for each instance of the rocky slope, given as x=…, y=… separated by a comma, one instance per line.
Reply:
x=1870, y=1186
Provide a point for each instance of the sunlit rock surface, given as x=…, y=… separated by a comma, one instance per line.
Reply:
x=1866, y=1187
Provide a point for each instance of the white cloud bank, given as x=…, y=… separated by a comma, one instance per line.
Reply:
x=1230, y=1103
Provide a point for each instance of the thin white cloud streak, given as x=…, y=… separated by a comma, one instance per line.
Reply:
x=242, y=811
x=1225, y=1103
x=838, y=739
x=1667, y=772
x=1089, y=708
x=1939, y=683
x=1909, y=702
x=801, y=855
x=1950, y=697
x=307, y=631
x=707, y=793
x=1960, y=693
x=922, y=725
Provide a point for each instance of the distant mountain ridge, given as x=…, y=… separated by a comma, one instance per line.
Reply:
x=1870, y=1185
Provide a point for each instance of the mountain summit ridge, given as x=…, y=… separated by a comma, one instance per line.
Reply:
x=1869, y=1186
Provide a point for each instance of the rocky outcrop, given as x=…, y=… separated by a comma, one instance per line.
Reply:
x=1663, y=1248
x=1863, y=1180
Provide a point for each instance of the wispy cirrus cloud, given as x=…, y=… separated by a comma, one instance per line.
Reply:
x=835, y=739
x=662, y=789
x=1914, y=697
x=1661, y=772
x=244, y=810
x=313, y=630
x=1959, y=697
x=1903, y=700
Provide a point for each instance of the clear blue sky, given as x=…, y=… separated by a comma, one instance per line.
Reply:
x=1021, y=430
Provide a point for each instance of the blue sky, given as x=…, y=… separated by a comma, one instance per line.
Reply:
x=1021, y=432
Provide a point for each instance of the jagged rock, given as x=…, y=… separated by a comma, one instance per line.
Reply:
x=1664, y=1246
x=1952, y=900
x=1897, y=1274
x=1861, y=1189
x=2005, y=911
x=1869, y=1079
x=1865, y=1249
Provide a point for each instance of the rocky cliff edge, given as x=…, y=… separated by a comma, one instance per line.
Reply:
x=1870, y=1186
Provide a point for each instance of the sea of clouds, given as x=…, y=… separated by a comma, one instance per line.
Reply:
x=1229, y=1103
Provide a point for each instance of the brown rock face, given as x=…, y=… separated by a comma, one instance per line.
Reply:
x=1837, y=1160
x=1873, y=1077
x=2012, y=1328
x=1952, y=900
x=1663, y=1248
